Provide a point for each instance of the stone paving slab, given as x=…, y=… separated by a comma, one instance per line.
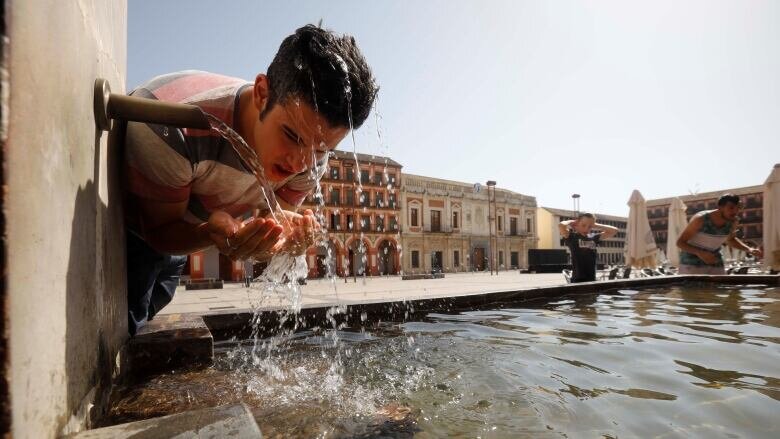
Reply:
x=322, y=292
x=235, y=422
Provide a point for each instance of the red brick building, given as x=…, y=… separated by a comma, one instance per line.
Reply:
x=751, y=217
x=351, y=214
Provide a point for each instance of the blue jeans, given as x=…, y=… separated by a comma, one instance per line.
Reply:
x=152, y=279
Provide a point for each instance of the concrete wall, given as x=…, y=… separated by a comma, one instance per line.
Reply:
x=66, y=306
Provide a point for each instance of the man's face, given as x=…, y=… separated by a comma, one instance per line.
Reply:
x=583, y=225
x=729, y=211
x=291, y=137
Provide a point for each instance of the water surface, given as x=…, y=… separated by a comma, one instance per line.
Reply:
x=687, y=361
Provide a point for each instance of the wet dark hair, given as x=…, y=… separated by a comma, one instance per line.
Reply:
x=326, y=71
x=728, y=198
x=586, y=215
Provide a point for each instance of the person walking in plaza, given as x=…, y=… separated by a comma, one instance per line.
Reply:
x=582, y=236
x=700, y=242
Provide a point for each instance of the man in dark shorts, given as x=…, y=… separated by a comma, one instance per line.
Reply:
x=188, y=189
x=582, y=236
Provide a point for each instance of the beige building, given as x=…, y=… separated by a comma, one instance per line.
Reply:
x=446, y=226
x=610, y=250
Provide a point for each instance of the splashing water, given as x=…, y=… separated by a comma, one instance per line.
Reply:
x=250, y=158
x=267, y=356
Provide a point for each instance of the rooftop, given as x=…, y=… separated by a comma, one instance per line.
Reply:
x=707, y=195
x=365, y=158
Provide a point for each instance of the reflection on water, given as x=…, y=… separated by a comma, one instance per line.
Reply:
x=678, y=362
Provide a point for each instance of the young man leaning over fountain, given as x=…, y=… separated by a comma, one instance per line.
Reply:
x=700, y=242
x=187, y=189
x=582, y=236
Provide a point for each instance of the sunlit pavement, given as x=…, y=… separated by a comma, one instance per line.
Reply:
x=371, y=289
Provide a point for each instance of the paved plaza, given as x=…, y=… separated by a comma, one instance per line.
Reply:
x=322, y=292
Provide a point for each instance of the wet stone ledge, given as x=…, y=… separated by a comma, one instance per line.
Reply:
x=169, y=342
x=234, y=421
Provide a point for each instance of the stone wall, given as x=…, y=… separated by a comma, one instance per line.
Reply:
x=65, y=304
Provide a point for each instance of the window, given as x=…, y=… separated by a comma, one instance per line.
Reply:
x=350, y=223
x=513, y=226
x=364, y=176
x=455, y=220
x=365, y=199
x=500, y=223
x=335, y=221
x=415, y=259
x=393, y=223
x=413, y=219
x=391, y=201
x=334, y=172
x=391, y=179
x=380, y=224
x=378, y=178
x=350, y=174
x=514, y=259
x=529, y=227
x=379, y=199
x=500, y=258
x=350, y=198
x=456, y=259
x=365, y=223
x=335, y=197
x=435, y=221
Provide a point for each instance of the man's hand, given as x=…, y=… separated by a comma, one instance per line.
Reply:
x=300, y=232
x=238, y=240
x=707, y=257
x=756, y=252
x=564, y=227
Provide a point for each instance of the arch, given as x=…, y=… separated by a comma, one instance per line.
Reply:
x=358, y=260
x=388, y=257
x=326, y=257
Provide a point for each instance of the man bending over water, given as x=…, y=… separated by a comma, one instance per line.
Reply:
x=701, y=240
x=187, y=189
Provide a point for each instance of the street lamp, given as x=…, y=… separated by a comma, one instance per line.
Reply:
x=575, y=199
x=491, y=184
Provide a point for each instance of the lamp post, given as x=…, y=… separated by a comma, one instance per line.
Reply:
x=575, y=199
x=491, y=184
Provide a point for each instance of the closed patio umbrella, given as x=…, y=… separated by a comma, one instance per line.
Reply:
x=640, y=244
x=677, y=223
x=772, y=220
x=726, y=252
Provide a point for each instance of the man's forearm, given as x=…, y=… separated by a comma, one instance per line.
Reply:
x=736, y=243
x=605, y=228
x=178, y=238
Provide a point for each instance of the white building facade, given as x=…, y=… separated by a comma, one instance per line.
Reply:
x=446, y=226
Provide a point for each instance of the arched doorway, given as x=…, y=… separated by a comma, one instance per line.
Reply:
x=327, y=255
x=358, y=258
x=387, y=254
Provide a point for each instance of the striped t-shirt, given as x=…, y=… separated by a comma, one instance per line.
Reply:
x=168, y=164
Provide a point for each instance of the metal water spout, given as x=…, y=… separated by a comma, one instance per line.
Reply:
x=108, y=106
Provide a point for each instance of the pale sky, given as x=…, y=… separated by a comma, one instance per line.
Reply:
x=547, y=98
